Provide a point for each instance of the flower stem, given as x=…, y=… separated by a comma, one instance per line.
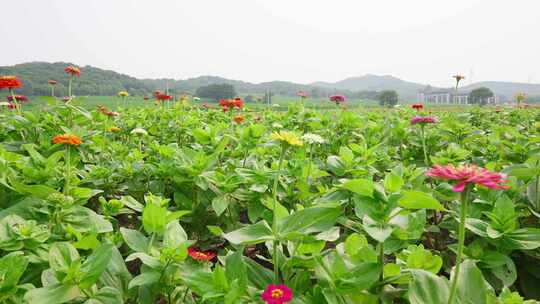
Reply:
x=17, y=106
x=423, y=135
x=461, y=242
x=381, y=275
x=309, y=164
x=274, y=217
x=68, y=170
x=69, y=86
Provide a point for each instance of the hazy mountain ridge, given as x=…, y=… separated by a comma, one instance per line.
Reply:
x=96, y=81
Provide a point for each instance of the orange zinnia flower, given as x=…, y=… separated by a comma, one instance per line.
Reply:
x=73, y=71
x=239, y=119
x=52, y=82
x=10, y=82
x=198, y=255
x=67, y=139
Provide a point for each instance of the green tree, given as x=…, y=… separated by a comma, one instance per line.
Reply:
x=388, y=98
x=480, y=96
x=216, y=91
x=249, y=99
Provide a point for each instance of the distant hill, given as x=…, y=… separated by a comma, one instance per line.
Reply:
x=96, y=81
x=371, y=82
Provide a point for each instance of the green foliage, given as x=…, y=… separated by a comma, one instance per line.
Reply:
x=188, y=212
x=480, y=96
x=216, y=91
x=388, y=98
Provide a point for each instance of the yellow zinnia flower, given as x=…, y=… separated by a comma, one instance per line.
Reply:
x=123, y=94
x=287, y=138
x=114, y=129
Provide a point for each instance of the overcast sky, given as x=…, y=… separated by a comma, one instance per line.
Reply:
x=424, y=41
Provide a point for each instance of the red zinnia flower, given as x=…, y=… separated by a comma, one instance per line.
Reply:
x=417, y=106
x=201, y=255
x=18, y=98
x=73, y=71
x=67, y=139
x=52, y=82
x=12, y=106
x=162, y=96
x=239, y=119
x=237, y=102
x=277, y=294
x=338, y=98
x=468, y=174
x=10, y=82
x=423, y=120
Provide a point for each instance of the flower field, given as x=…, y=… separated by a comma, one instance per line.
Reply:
x=180, y=203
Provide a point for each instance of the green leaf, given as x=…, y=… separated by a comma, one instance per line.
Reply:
x=393, y=182
x=94, y=265
x=361, y=277
x=308, y=220
x=235, y=269
x=471, y=285
x=174, y=235
x=524, y=239
x=62, y=255
x=145, y=278
x=39, y=191
x=134, y=239
x=154, y=218
x=378, y=231
x=145, y=258
x=107, y=295
x=419, y=258
x=249, y=235
x=425, y=287
x=56, y=294
x=360, y=186
x=12, y=267
x=215, y=230
x=354, y=243
x=220, y=204
x=419, y=200
x=258, y=275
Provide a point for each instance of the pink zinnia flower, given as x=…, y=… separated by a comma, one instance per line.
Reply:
x=423, y=120
x=337, y=98
x=277, y=294
x=468, y=174
x=302, y=94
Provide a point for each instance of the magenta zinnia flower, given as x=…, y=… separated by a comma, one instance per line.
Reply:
x=423, y=120
x=337, y=98
x=468, y=174
x=277, y=294
x=18, y=98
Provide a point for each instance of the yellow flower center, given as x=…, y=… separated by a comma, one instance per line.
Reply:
x=277, y=294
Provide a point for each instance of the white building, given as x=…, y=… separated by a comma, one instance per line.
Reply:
x=449, y=96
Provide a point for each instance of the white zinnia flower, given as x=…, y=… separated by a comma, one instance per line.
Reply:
x=139, y=131
x=313, y=138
